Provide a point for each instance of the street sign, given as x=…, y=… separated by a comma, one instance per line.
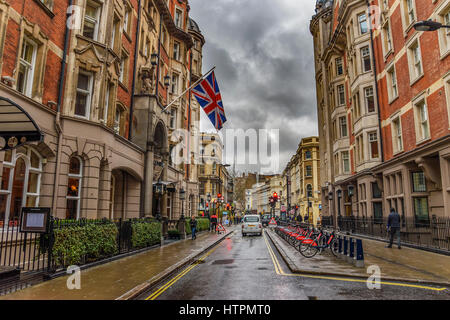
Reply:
x=272, y=222
x=220, y=228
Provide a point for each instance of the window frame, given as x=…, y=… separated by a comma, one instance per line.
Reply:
x=363, y=56
x=391, y=81
x=413, y=49
x=366, y=99
x=90, y=93
x=419, y=106
x=80, y=184
x=96, y=20
x=371, y=141
x=397, y=135
x=360, y=22
x=31, y=67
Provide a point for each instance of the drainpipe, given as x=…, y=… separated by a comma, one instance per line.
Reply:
x=376, y=82
x=58, y=127
x=133, y=86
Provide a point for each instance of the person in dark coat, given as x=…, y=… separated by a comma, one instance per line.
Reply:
x=393, y=226
x=193, y=224
x=213, y=223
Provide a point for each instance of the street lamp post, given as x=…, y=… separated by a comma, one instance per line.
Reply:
x=429, y=25
x=182, y=198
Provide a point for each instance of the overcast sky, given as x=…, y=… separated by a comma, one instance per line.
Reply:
x=263, y=51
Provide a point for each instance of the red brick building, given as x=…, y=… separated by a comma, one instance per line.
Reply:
x=96, y=75
x=414, y=93
x=383, y=96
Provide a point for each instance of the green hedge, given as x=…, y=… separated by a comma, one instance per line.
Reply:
x=202, y=224
x=80, y=244
x=145, y=234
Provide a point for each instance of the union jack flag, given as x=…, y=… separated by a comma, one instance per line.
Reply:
x=208, y=96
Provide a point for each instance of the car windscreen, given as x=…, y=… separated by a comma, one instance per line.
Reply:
x=251, y=219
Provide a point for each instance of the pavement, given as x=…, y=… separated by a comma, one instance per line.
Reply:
x=407, y=264
x=125, y=278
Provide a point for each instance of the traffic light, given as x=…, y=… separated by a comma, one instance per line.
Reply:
x=275, y=196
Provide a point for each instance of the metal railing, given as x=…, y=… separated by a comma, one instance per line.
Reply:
x=432, y=234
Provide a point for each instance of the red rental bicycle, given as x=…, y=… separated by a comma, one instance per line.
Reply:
x=311, y=246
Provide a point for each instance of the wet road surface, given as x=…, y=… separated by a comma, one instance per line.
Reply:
x=250, y=268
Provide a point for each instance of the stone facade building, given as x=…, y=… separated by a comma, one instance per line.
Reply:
x=383, y=108
x=97, y=85
x=300, y=181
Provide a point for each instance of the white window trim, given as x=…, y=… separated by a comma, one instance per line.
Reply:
x=391, y=96
x=89, y=93
x=414, y=77
x=362, y=59
x=370, y=147
x=404, y=12
x=338, y=97
x=366, y=102
x=343, y=162
x=28, y=90
x=28, y=169
x=395, y=136
x=98, y=6
x=181, y=18
x=420, y=135
x=178, y=55
x=447, y=94
x=359, y=23
x=387, y=38
x=80, y=177
x=443, y=33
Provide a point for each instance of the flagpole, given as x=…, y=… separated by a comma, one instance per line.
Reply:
x=197, y=82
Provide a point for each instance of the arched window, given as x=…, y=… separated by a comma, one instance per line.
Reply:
x=74, y=188
x=309, y=191
x=20, y=182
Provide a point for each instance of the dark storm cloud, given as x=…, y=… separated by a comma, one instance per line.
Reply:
x=265, y=66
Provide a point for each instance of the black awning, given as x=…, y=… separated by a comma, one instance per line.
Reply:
x=16, y=126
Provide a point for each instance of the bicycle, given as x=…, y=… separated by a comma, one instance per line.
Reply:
x=311, y=246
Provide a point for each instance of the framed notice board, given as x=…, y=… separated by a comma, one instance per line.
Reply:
x=35, y=220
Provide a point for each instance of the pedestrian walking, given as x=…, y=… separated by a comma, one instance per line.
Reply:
x=193, y=224
x=393, y=227
x=213, y=223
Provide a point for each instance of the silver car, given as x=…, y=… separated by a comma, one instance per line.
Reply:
x=251, y=224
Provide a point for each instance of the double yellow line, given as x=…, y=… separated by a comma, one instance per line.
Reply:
x=280, y=271
x=161, y=290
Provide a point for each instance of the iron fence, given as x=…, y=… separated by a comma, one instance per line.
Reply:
x=433, y=233
x=31, y=252
x=21, y=250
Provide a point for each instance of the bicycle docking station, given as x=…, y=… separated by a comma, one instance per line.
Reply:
x=351, y=250
x=343, y=246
